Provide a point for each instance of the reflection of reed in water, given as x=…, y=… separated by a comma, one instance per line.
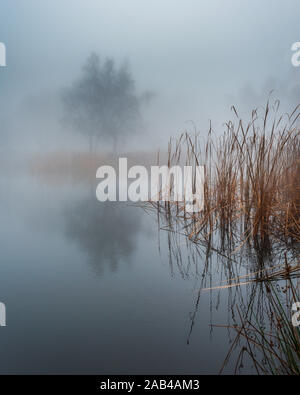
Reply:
x=258, y=300
x=272, y=343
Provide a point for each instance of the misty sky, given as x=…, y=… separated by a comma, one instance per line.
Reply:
x=199, y=57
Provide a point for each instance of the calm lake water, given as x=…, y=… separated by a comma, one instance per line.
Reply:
x=89, y=289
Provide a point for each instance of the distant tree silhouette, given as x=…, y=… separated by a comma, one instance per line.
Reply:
x=102, y=103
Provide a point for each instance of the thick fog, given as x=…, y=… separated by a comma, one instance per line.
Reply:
x=193, y=58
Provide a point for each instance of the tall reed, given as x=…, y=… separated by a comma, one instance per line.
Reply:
x=251, y=188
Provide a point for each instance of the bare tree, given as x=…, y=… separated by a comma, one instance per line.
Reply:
x=102, y=103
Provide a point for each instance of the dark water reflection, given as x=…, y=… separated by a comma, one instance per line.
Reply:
x=107, y=232
x=89, y=290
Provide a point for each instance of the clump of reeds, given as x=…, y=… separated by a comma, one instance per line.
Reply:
x=251, y=188
x=251, y=200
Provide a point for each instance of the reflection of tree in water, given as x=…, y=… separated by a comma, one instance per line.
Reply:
x=106, y=231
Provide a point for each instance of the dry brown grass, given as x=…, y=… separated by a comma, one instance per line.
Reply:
x=251, y=190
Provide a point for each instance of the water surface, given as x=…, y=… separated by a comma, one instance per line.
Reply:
x=89, y=289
